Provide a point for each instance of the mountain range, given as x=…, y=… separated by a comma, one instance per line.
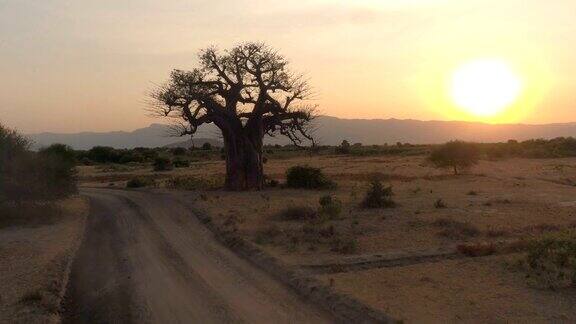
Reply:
x=329, y=131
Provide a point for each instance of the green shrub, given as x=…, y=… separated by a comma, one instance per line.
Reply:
x=308, y=178
x=162, y=164
x=330, y=207
x=457, y=155
x=551, y=260
x=378, y=196
x=298, y=213
x=140, y=182
x=181, y=163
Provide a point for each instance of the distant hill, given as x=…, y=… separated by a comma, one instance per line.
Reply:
x=330, y=131
x=152, y=136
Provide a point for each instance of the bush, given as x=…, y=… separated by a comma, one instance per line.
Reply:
x=27, y=176
x=181, y=163
x=129, y=157
x=308, y=178
x=298, y=213
x=162, y=164
x=378, y=196
x=457, y=155
x=56, y=171
x=103, y=154
x=191, y=183
x=330, y=207
x=61, y=151
x=140, y=182
x=178, y=151
x=206, y=146
x=551, y=260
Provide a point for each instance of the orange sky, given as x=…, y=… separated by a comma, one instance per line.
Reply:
x=69, y=66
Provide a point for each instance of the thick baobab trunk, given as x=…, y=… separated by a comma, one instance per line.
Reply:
x=244, y=170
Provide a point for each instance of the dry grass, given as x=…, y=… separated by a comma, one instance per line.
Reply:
x=473, y=290
x=33, y=265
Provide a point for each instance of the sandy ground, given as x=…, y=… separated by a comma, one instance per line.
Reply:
x=146, y=259
x=33, y=262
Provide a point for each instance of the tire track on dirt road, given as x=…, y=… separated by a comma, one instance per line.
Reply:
x=146, y=259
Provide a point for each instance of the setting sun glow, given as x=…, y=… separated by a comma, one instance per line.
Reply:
x=485, y=87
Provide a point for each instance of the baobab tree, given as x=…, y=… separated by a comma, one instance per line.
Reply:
x=246, y=92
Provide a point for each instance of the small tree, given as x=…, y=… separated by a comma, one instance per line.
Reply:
x=344, y=147
x=457, y=155
x=378, y=196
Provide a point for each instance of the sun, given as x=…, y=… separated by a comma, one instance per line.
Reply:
x=485, y=87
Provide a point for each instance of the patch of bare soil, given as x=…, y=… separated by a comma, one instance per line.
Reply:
x=34, y=263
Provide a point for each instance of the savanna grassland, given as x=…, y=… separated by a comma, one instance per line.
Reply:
x=447, y=248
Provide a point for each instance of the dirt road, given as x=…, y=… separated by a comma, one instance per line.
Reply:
x=146, y=258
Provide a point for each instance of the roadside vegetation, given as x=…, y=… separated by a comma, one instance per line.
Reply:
x=32, y=181
x=41, y=222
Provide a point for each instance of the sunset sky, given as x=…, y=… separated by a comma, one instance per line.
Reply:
x=68, y=66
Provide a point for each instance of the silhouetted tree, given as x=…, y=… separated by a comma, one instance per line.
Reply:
x=246, y=92
x=344, y=147
x=206, y=146
x=457, y=155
